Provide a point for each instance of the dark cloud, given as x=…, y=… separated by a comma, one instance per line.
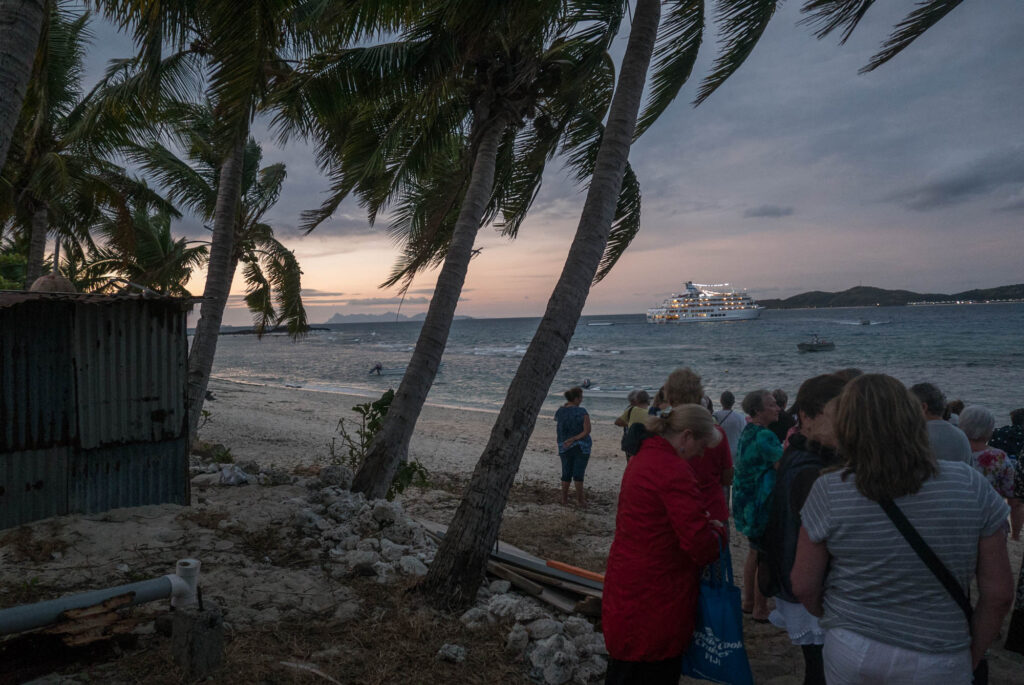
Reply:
x=984, y=177
x=768, y=211
x=313, y=292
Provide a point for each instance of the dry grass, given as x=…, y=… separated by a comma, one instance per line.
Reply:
x=205, y=518
x=548, y=534
x=394, y=640
x=23, y=545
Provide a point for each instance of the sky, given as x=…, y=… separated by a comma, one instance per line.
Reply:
x=797, y=174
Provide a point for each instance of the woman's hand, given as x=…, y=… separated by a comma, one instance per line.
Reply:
x=568, y=443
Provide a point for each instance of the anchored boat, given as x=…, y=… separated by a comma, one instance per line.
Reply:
x=701, y=302
x=816, y=344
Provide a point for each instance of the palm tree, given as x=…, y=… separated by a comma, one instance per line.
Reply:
x=150, y=258
x=455, y=134
x=241, y=52
x=56, y=176
x=21, y=23
x=271, y=272
x=457, y=568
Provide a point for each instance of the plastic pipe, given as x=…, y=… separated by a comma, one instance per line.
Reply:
x=180, y=587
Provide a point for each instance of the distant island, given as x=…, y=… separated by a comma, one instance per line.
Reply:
x=865, y=296
x=380, y=318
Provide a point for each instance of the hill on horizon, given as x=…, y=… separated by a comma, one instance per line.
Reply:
x=867, y=296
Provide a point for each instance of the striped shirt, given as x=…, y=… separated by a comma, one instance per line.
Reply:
x=877, y=586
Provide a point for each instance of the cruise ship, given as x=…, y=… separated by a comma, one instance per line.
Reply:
x=700, y=302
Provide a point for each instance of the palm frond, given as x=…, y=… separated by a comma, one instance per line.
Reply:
x=625, y=226
x=679, y=40
x=741, y=24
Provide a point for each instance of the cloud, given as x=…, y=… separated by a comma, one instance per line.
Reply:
x=768, y=211
x=374, y=301
x=976, y=179
x=312, y=292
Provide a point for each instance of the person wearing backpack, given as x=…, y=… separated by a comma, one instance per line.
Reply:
x=636, y=413
x=810, y=451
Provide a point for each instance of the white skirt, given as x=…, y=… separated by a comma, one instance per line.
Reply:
x=802, y=626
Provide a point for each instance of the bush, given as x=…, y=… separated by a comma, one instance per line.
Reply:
x=354, y=443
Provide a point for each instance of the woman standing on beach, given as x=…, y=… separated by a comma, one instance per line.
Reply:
x=757, y=457
x=887, y=616
x=810, y=451
x=663, y=536
x=572, y=425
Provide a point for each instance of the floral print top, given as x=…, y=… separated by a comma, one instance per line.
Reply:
x=756, y=453
x=997, y=468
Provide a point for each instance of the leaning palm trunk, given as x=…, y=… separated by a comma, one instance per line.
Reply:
x=37, y=245
x=390, y=446
x=21, y=23
x=220, y=272
x=458, y=567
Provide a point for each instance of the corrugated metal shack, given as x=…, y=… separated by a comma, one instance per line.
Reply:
x=92, y=403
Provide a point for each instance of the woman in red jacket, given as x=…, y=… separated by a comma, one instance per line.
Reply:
x=663, y=535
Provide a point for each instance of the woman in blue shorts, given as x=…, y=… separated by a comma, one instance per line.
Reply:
x=573, y=427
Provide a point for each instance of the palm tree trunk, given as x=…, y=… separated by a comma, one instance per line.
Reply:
x=21, y=23
x=37, y=245
x=56, y=256
x=220, y=272
x=458, y=567
x=390, y=446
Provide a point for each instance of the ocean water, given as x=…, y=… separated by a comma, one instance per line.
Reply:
x=973, y=352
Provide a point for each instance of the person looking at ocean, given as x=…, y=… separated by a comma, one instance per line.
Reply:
x=732, y=422
x=1010, y=439
x=663, y=536
x=947, y=441
x=636, y=412
x=887, y=616
x=757, y=458
x=572, y=426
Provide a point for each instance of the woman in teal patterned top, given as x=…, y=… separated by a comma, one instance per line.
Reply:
x=757, y=455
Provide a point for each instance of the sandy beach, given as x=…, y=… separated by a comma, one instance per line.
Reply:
x=290, y=598
x=288, y=427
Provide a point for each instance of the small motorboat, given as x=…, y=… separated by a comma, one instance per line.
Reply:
x=865, y=322
x=816, y=344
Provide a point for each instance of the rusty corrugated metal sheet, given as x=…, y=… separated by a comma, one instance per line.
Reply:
x=130, y=373
x=92, y=404
x=127, y=476
x=36, y=376
x=33, y=485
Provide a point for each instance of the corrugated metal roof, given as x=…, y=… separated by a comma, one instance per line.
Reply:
x=10, y=298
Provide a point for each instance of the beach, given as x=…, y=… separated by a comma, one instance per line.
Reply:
x=283, y=570
x=288, y=427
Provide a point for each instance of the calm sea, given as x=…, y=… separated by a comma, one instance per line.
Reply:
x=973, y=352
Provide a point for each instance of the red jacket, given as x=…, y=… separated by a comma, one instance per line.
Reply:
x=662, y=538
x=709, y=468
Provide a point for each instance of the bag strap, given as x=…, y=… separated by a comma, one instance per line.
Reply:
x=929, y=557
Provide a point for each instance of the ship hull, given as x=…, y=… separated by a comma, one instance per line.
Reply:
x=706, y=317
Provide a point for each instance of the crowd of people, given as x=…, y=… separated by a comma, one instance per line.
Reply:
x=869, y=508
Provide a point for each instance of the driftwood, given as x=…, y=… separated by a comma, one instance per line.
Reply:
x=80, y=627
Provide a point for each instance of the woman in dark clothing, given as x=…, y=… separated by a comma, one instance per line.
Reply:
x=663, y=536
x=810, y=451
x=572, y=423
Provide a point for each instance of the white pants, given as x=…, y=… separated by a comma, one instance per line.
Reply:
x=852, y=659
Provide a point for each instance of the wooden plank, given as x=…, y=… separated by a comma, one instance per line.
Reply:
x=511, y=576
x=552, y=597
x=542, y=567
x=576, y=570
x=559, y=583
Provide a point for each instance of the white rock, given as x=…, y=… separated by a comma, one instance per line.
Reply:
x=590, y=670
x=503, y=605
x=346, y=611
x=384, y=571
x=476, y=618
x=453, y=653
x=336, y=475
x=391, y=551
x=371, y=544
x=386, y=513
x=590, y=643
x=518, y=639
x=577, y=625
x=543, y=627
x=361, y=561
x=499, y=587
x=529, y=611
x=560, y=668
x=412, y=566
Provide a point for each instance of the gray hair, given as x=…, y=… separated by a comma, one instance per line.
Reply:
x=977, y=422
x=931, y=397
